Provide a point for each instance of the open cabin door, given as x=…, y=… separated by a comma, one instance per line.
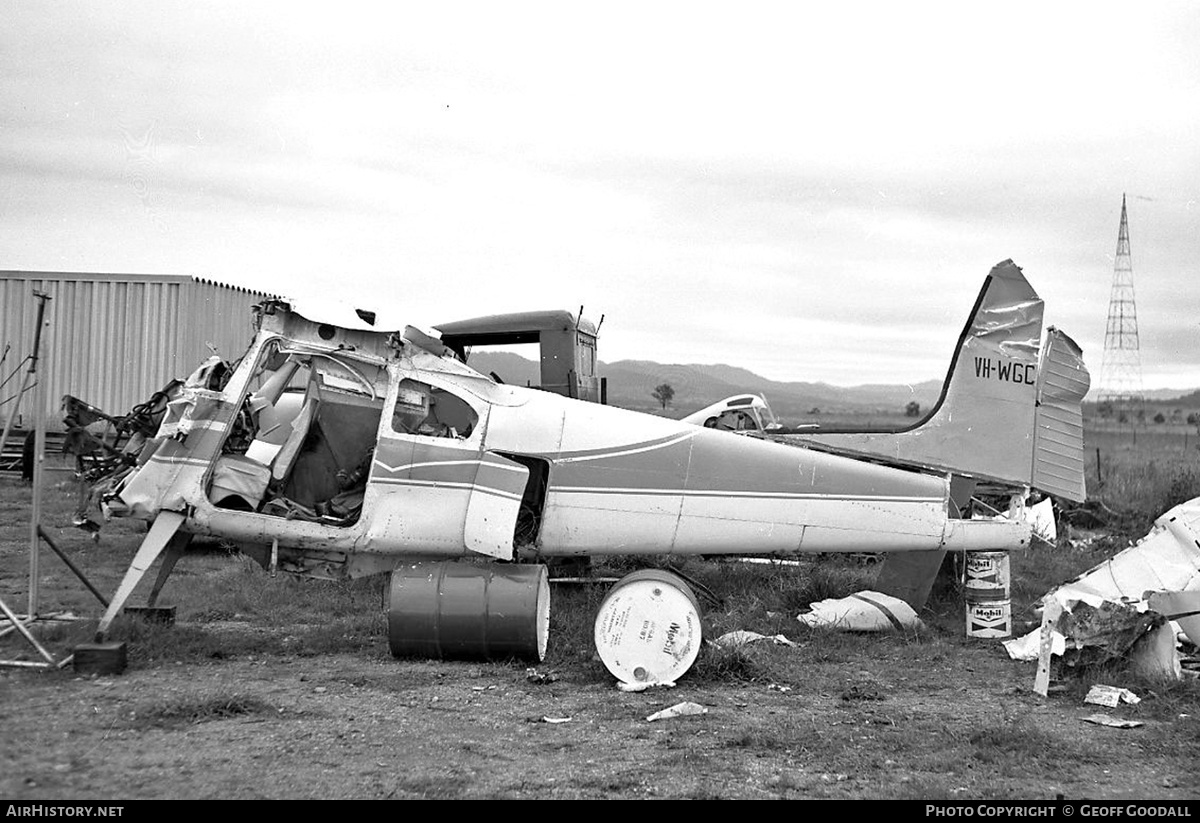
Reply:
x=493, y=506
x=439, y=491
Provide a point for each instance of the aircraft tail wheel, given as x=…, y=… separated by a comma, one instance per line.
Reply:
x=466, y=611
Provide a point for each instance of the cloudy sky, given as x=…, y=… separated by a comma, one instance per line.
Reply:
x=813, y=191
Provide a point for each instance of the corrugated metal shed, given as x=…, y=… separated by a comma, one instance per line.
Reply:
x=112, y=339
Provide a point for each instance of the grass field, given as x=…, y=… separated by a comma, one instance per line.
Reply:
x=1143, y=471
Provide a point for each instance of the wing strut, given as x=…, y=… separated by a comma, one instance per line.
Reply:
x=164, y=533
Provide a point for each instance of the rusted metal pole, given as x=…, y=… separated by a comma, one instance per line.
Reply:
x=39, y=456
x=78, y=572
x=35, y=514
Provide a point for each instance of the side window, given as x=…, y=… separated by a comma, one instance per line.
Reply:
x=431, y=412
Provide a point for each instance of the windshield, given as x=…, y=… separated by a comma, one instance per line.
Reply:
x=769, y=421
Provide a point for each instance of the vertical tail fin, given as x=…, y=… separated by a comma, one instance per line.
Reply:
x=1008, y=411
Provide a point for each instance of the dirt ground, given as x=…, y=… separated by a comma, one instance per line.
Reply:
x=961, y=723
x=225, y=705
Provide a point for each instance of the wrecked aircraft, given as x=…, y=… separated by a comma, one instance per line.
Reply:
x=338, y=449
x=740, y=413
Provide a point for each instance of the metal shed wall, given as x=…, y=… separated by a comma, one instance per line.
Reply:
x=112, y=339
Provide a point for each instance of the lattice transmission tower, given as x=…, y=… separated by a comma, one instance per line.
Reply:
x=1121, y=368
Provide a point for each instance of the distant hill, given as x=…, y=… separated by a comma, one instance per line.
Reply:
x=1162, y=399
x=630, y=383
x=1178, y=397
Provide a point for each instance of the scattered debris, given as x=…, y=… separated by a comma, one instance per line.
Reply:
x=865, y=611
x=541, y=678
x=741, y=638
x=1103, y=633
x=1117, y=608
x=1026, y=647
x=860, y=691
x=1110, y=696
x=1112, y=722
x=1041, y=517
x=678, y=710
x=1091, y=519
x=1154, y=656
x=641, y=687
x=1182, y=608
x=1167, y=559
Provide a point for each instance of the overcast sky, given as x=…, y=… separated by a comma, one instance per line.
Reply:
x=814, y=191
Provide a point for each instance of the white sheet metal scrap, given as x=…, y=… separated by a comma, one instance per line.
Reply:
x=1165, y=560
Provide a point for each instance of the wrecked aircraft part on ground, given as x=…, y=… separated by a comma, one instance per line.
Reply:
x=863, y=612
x=343, y=450
x=106, y=448
x=1123, y=599
x=1167, y=558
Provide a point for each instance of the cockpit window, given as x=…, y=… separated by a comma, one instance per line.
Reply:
x=426, y=410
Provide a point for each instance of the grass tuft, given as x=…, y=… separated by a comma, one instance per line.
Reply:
x=192, y=709
x=745, y=663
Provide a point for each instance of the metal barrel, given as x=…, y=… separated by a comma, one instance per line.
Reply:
x=465, y=611
x=648, y=628
x=988, y=595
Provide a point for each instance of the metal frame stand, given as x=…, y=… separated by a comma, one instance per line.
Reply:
x=21, y=623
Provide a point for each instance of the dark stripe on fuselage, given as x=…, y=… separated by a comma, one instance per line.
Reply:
x=714, y=463
x=734, y=495
x=438, y=465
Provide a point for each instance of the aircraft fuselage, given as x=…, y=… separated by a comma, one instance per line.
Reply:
x=523, y=472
